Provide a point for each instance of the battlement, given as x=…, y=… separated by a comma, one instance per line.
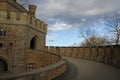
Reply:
x=22, y=19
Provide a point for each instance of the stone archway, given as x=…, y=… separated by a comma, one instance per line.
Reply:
x=34, y=43
x=3, y=66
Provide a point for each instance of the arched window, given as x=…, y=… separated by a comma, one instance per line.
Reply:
x=2, y=32
x=3, y=66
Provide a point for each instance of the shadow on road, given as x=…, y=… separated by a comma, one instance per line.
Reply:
x=70, y=74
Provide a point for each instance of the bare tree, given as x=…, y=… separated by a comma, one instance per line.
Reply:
x=114, y=27
x=91, y=37
x=94, y=41
x=86, y=32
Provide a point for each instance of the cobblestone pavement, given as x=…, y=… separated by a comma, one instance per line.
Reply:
x=79, y=69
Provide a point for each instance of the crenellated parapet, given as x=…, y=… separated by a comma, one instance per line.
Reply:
x=109, y=54
x=21, y=18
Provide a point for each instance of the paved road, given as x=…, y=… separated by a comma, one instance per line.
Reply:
x=79, y=69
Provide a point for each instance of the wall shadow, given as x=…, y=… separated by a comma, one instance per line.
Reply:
x=71, y=73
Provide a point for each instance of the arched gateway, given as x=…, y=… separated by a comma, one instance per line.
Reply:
x=34, y=43
x=3, y=66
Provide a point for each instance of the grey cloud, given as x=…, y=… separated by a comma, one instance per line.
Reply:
x=74, y=11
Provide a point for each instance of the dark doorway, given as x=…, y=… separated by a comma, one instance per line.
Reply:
x=33, y=43
x=3, y=66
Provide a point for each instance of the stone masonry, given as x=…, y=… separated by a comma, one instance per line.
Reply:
x=19, y=30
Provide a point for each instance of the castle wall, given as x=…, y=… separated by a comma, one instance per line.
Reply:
x=106, y=54
x=22, y=30
x=30, y=33
x=46, y=73
x=22, y=19
x=10, y=5
x=47, y=66
x=19, y=32
x=13, y=45
x=6, y=6
x=11, y=8
x=2, y=5
x=40, y=58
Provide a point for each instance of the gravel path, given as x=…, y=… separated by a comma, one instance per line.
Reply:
x=79, y=69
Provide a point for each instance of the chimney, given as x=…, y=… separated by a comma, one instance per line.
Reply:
x=32, y=10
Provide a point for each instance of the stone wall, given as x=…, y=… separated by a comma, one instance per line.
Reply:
x=106, y=54
x=22, y=19
x=20, y=28
x=12, y=46
x=22, y=47
x=11, y=5
x=48, y=66
x=17, y=38
x=41, y=58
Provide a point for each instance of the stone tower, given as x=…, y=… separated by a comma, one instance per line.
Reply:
x=19, y=31
x=32, y=10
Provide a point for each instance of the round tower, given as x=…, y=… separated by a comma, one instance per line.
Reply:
x=32, y=10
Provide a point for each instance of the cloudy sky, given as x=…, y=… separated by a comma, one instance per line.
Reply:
x=65, y=17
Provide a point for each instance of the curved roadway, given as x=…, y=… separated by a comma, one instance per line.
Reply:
x=79, y=69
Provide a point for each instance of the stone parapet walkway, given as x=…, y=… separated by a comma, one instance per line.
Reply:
x=79, y=69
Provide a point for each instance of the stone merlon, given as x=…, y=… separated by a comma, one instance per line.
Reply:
x=32, y=10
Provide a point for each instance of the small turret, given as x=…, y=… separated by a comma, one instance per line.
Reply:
x=32, y=10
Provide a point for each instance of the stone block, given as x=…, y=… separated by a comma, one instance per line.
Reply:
x=93, y=57
x=3, y=15
x=115, y=62
x=108, y=60
x=100, y=58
